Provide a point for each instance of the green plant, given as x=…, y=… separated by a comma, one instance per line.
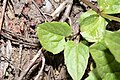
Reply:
x=105, y=50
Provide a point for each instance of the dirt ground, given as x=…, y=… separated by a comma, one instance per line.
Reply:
x=21, y=55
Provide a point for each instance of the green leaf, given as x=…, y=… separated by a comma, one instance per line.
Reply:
x=76, y=59
x=112, y=41
x=109, y=6
x=86, y=14
x=105, y=61
x=52, y=35
x=112, y=76
x=93, y=28
x=93, y=75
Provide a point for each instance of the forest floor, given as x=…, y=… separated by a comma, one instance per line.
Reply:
x=21, y=56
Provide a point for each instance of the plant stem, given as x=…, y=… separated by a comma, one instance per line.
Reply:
x=91, y=5
x=100, y=12
x=110, y=17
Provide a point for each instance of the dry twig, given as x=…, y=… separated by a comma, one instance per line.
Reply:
x=19, y=40
x=43, y=64
x=20, y=55
x=67, y=11
x=41, y=12
x=59, y=9
x=30, y=65
x=3, y=13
